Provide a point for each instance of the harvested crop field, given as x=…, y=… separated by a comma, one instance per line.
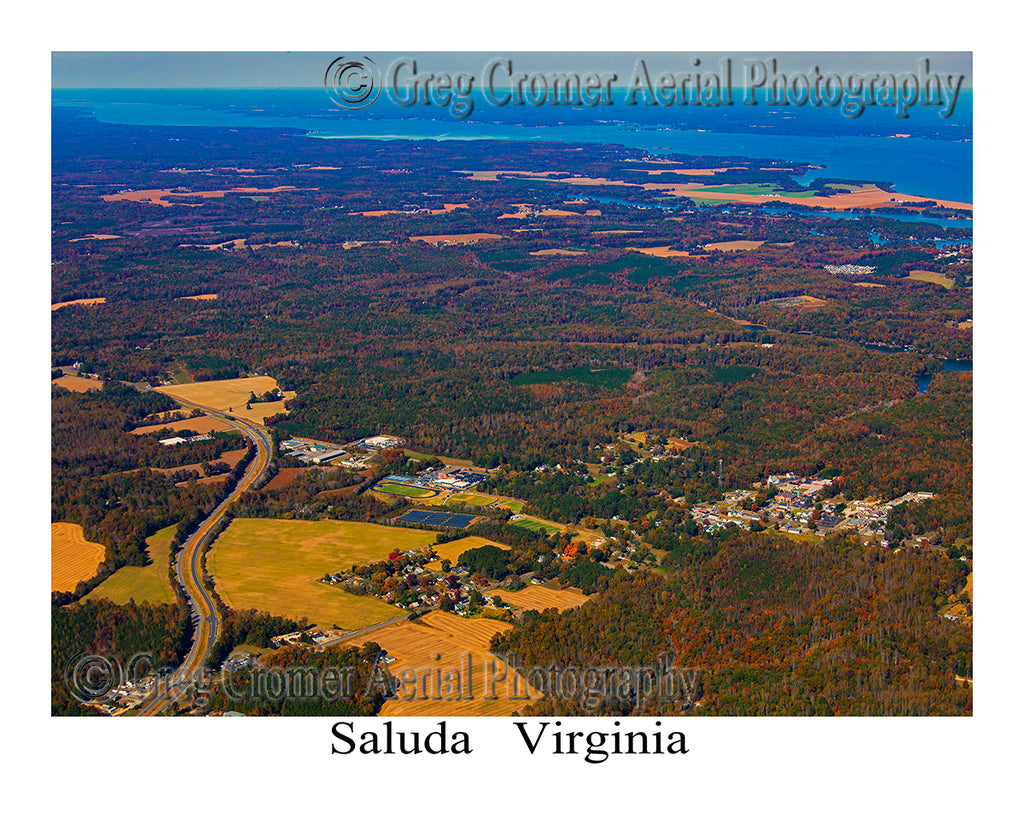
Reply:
x=79, y=303
x=159, y=196
x=664, y=252
x=679, y=444
x=98, y=237
x=453, y=548
x=931, y=276
x=740, y=244
x=456, y=238
x=143, y=584
x=77, y=384
x=276, y=566
x=446, y=208
x=201, y=297
x=72, y=557
x=284, y=476
x=540, y=598
x=446, y=669
x=204, y=423
x=231, y=396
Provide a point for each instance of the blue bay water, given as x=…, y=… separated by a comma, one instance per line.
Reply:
x=922, y=154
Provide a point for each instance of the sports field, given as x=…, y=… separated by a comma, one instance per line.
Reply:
x=535, y=525
x=472, y=499
x=72, y=557
x=442, y=660
x=231, y=396
x=275, y=566
x=392, y=488
x=149, y=584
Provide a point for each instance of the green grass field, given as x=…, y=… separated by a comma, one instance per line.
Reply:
x=148, y=584
x=275, y=566
x=931, y=276
x=536, y=526
x=472, y=500
x=804, y=537
x=759, y=189
x=402, y=489
x=422, y=456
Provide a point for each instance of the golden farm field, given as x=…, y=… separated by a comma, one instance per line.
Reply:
x=149, y=584
x=72, y=557
x=740, y=244
x=453, y=548
x=231, y=396
x=275, y=566
x=200, y=424
x=540, y=598
x=450, y=650
x=158, y=196
x=456, y=238
x=77, y=384
x=79, y=302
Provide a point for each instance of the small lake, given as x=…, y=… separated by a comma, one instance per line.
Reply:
x=959, y=365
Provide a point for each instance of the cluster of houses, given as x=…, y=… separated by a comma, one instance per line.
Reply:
x=796, y=505
x=128, y=695
x=317, y=635
x=429, y=588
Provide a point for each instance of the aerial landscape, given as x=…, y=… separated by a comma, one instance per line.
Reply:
x=535, y=411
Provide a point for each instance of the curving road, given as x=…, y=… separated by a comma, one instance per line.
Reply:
x=189, y=570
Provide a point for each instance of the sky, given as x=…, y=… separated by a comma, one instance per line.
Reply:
x=295, y=69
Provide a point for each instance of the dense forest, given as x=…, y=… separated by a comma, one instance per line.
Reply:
x=162, y=634
x=776, y=628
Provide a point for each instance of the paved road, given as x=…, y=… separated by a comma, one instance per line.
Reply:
x=189, y=571
x=344, y=638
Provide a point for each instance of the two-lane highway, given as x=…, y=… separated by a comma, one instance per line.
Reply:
x=189, y=571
